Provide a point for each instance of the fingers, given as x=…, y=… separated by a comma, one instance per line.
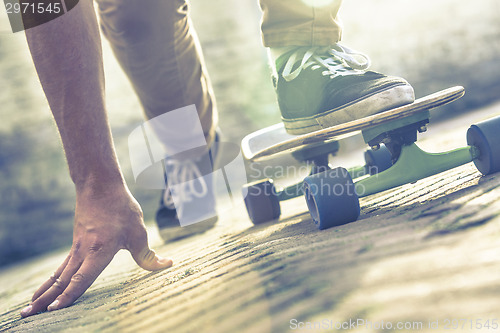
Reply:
x=149, y=260
x=94, y=250
x=76, y=277
x=80, y=282
x=47, y=284
x=144, y=256
x=52, y=288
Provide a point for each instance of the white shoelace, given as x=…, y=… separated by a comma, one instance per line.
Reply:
x=335, y=65
x=184, y=175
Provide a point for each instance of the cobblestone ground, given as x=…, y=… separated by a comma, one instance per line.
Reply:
x=420, y=255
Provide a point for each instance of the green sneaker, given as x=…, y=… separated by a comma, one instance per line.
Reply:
x=320, y=87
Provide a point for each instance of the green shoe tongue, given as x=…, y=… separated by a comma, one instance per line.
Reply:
x=283, y=59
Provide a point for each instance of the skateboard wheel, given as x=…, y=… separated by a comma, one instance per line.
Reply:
x=486, y=137
x=262, y=201
x=378, y=160
x=331, y=198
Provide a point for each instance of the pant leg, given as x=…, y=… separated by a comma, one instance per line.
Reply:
x=158, y=48
x=300, y=22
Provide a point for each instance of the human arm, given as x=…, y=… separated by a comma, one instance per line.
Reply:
x=68, y=59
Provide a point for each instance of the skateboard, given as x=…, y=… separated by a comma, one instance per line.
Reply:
x=394, y=159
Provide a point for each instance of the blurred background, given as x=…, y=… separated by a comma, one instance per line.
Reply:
x=434, y=44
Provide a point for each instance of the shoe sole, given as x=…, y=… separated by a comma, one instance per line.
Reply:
x=367, y=106
x=176, y=233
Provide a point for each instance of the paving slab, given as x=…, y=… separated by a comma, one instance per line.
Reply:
x=421, y=257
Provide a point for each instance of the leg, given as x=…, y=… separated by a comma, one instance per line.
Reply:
x=158, y=49
x=156, y=45
x=297, y=22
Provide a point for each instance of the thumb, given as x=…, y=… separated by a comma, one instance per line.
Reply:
x=145, y=257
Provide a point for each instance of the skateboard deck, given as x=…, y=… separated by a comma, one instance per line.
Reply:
x=265, y=143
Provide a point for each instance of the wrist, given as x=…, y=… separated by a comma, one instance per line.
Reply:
x=100, y=185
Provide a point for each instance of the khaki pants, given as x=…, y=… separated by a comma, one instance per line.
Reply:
x=156, y=45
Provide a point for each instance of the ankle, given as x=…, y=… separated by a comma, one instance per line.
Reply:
x=275, y=56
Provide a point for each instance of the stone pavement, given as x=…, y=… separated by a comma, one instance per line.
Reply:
x=422, y=257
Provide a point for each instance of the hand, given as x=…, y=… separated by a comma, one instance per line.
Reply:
x=104, y=224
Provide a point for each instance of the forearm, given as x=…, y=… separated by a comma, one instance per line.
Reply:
x=68, y=58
